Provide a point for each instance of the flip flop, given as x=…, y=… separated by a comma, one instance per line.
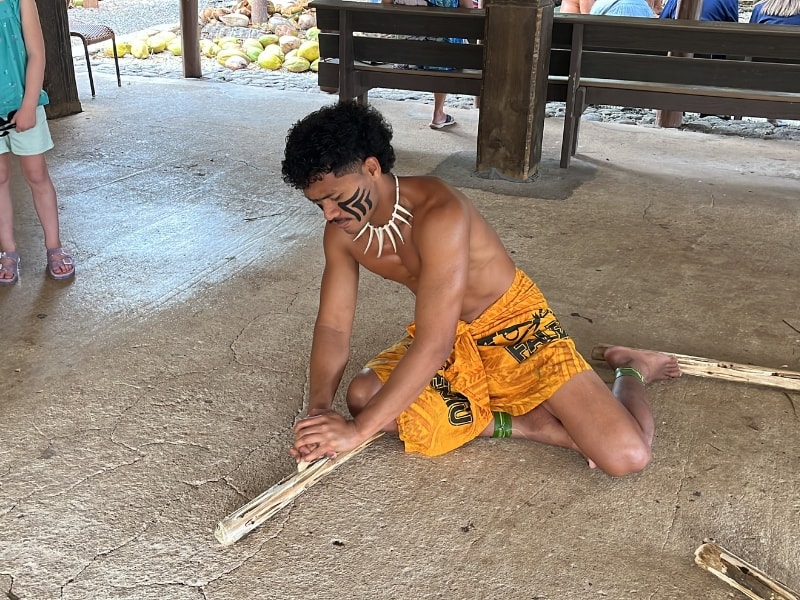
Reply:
x=60, y=257
x=9, y=267
x=448, y=120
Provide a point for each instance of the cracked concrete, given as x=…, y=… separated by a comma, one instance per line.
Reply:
x=155, y=394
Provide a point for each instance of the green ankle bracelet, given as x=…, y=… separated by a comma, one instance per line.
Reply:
x=502, y=425
x=628, y=372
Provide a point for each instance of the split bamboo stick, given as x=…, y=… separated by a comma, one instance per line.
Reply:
x=740, y=574
x=262, y=507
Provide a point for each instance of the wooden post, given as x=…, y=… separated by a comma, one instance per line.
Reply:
x=59, y=72
x=690, y=10
x=258, y=12
x=190, y=42
x=514, y=90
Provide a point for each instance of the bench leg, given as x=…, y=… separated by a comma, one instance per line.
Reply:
x=572, y=121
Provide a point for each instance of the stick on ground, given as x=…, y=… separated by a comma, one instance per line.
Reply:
x=262, y=507
x=743, y=576
x=707, y=367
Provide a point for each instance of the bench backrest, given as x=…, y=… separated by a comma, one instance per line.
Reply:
x=368, y=33
x=625, y=48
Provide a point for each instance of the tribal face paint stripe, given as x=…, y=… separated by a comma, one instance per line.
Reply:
x=357, y=205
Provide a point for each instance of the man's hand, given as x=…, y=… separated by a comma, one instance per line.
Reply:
x=325, y=433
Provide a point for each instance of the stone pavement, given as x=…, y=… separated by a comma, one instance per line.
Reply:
x=155, y=393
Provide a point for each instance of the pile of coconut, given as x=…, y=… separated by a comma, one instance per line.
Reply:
x=288, y=39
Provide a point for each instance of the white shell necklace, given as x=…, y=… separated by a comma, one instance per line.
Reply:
x=391, y=228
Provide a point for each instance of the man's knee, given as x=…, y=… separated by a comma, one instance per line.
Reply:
x=634, y=457
x=361, y=390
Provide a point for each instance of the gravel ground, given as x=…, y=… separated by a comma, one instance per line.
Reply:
x=129, y=16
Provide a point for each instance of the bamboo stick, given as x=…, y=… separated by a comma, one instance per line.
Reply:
x=740, y=574
x=707, y=367
x=262, y=507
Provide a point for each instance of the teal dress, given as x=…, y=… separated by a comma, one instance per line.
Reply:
x=13, y=59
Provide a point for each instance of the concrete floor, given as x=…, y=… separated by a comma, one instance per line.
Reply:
x=155, y=394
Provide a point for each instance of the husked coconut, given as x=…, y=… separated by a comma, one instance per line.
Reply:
x=289, y=42
x=306, y=21
x=235, y=62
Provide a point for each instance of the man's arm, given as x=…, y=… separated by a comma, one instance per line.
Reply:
x=34, y=73
x=330, y=347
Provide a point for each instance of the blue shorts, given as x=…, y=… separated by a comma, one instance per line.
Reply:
x=31, y=142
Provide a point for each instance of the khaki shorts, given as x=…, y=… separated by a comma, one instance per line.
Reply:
x=510, y=359
x=29, y=143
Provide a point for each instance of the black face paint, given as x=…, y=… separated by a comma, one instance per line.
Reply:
x=357, y=205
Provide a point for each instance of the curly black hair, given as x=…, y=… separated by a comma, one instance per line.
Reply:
x=336, y=139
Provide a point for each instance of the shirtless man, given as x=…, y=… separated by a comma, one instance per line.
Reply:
x=485, y=355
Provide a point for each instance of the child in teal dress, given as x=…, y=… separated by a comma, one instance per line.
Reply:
x=24, y=132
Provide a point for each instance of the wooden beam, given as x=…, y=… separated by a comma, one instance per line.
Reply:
x=59, y=71
x=262, y=507
x=514, y=92
x=190, y=39
x=740, y=574
x=730, y=371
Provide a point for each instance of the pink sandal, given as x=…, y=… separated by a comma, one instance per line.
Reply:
x=60, y=257
x=9, y=263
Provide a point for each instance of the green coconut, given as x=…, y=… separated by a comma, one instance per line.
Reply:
x=267, y=39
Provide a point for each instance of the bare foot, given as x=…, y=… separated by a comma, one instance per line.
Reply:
x=652, y=365
x=540, y=425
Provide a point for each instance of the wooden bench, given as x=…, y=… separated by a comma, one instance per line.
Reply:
x=359, y=51
x=621, y=61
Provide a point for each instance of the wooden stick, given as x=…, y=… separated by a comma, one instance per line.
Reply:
x=740, y=574
x=262, y=507
x=707, y=367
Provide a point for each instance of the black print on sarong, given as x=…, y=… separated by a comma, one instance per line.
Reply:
x=525, y=338
x=460, y=411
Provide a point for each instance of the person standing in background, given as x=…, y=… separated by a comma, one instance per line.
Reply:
x=440, y=118
x=713, y=10
x=25, y=133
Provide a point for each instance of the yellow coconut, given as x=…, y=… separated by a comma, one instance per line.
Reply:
x=156, y=44
x=167, y=36
x=174, y=47
x=297, y=65
x=274, y=49
x=139, y=49
x=269, y=60
x=314, y=66
x=309, y=50
x=123, y=48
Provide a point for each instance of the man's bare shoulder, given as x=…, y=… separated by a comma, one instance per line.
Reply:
x=426, y=192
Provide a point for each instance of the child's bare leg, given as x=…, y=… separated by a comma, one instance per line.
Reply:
x=34, y=169
x=7, y=243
